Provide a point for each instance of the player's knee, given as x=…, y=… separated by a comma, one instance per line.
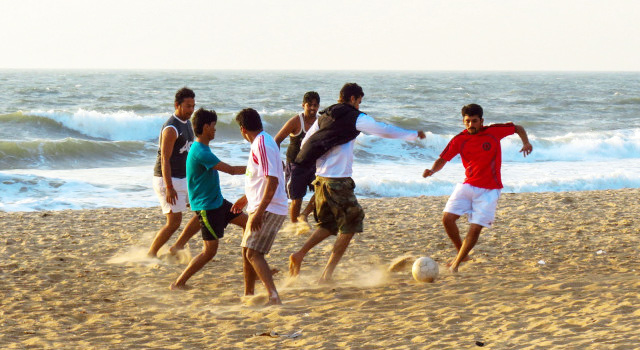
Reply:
x=252, y=255
x=448, y=218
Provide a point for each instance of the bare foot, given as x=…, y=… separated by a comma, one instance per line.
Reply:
x=303, y=218
x=173, y=250
x=466, y=258
x=175, y=286
x=294, y=265
x=274, y=299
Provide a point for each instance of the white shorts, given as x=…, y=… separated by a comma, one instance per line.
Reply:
x=478, y=203
x=180, y=185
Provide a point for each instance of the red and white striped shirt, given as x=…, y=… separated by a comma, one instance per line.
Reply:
x=264, y=160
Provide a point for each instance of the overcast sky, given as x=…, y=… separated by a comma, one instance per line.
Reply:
x=324, y=34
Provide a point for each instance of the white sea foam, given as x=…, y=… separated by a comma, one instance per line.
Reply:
x=115, y=126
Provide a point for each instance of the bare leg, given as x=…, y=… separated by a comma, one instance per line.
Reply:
x=294, y=209
x=304, y=216
x=339, y=247
x=249, y=274
x=172, y=224
x=261, y=268
x=295, y=259
x=208, y=252
x=468, y=244
x=190, y=229
x=450, y=226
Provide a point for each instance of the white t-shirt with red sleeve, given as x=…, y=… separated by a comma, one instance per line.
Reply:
x=264, y=160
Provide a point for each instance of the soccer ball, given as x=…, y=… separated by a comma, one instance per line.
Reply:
x=424, y=269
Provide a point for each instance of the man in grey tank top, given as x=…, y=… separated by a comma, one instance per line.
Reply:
x=170, y=172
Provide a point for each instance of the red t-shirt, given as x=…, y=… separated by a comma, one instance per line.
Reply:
x=481, y=154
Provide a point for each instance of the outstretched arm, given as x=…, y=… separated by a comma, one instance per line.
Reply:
x=292, y=126
x=230, y=169
x=526, y=146
x=437, y=165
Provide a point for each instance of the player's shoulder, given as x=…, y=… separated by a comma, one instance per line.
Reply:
x=501, y=125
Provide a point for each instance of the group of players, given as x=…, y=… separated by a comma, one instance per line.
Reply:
x=319, y=156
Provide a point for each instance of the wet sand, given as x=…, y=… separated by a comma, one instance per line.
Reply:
x=557, y=271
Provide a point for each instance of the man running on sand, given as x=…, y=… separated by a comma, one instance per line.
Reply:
x=203, y=182
x=169, y=181
x=479, y=148
x=329, y=145
x=266, y=202
x=296, y=128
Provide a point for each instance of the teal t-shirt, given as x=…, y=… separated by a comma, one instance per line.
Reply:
x=203, y=182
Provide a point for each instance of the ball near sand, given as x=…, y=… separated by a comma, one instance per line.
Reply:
x=424, y=269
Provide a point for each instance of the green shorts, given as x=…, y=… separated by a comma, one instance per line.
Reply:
x=336, y=205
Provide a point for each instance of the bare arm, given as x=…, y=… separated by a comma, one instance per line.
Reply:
x=437, y=165
x=239, y=205
x=526, y=146
x=255, y=220
x=230, y=169
x=292, y=126
x=169, y=137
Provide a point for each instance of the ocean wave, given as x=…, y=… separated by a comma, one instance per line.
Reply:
x=71, y=153
x=116, y=126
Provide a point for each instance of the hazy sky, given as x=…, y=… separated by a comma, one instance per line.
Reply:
x=324, y=34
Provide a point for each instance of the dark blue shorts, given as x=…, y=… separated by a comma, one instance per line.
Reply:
x=214, y=221
x=298, y=179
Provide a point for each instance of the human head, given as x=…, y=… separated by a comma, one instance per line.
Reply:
x=249, y=119
x=472, y=118
x=310, y=96
x=350, y=90
x=471, y=110
x=311, y=103
x=184, y=103
x=202, y=117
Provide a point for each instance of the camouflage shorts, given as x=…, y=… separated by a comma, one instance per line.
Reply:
x=336, y=205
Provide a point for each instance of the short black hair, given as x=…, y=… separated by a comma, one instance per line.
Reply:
x=348, y=90
x=183, y=93
x=309, y=96
x=249, y=119
x=202, y=117
x=471, y=110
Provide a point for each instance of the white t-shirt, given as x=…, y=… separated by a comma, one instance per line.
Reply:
x=338, y=161
x=264, y=160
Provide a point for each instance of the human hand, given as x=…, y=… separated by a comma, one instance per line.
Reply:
x=171, y=196
x=526, y=149
x=255, y=221
x=428, y=172
x=421, y=134
x=239, y=205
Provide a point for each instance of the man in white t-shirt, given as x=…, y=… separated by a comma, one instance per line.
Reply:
x=266, y=202
x=329, y=143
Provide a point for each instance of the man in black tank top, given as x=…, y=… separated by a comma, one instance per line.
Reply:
x=296, y=128
x=170, y=173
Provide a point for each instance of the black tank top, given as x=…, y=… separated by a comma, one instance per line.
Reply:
x=295, y=141
x=181, y=147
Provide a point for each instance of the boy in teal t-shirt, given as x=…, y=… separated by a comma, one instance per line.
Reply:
x=203, y=184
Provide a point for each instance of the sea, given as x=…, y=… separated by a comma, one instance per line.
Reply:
x=83, y=139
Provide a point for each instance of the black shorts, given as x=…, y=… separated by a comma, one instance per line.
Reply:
x=214, y=221
x=298, y=179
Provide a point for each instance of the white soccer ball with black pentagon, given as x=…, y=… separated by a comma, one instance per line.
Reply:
x=425, y=269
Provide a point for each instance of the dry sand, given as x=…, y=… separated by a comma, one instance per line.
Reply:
x=557, y=271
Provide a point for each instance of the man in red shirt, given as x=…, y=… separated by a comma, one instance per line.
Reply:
x=479, y=148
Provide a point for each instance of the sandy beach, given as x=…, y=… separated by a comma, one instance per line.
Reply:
x=557, y=271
